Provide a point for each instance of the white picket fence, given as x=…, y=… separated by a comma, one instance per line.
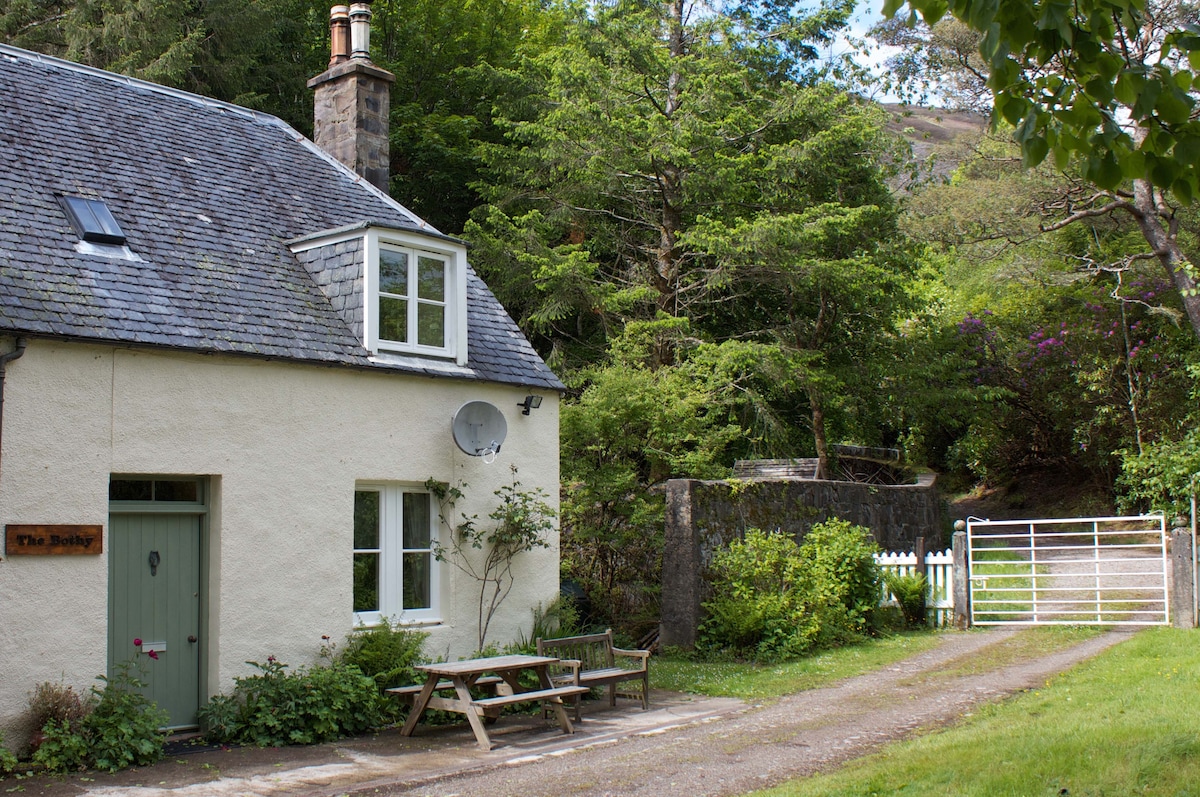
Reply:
x=939, y=572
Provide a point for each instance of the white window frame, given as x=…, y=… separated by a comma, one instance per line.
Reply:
x=391, y=557
x=455, y=295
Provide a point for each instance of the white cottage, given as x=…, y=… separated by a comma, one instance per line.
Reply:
x=229, y=364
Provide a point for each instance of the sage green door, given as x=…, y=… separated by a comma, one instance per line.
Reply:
x=154, y=596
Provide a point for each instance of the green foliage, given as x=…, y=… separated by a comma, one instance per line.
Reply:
x=274, y=708
x=774, y=599
x=120, y=730
x=123, y=729
x=1121, y=99
x=61, y=748
x=558, y=618
x=8, y=761
x=841, y=563
x=910, y=592
x=1163, y=477
x=387, y=653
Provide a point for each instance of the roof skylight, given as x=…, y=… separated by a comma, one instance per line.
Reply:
x=93, y=220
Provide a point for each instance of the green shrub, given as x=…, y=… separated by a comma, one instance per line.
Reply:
x=558, y=618
x=841, y=560
x=123, y=729
x=1161, y=477
x=910, y=592
x=774, y=599
x=276, y=708
x=760, y=607
x=61, y=703
x=60, y=748
x=8, y=761
x=386, y=653
x=120, y=730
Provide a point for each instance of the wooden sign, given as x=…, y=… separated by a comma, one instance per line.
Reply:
x=22, y=539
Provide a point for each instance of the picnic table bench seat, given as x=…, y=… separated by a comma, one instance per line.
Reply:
x=555, y=694
x=591, y=660
x=407, y=693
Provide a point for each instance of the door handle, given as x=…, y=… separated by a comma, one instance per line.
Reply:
x=154, y=559
x=191, y=637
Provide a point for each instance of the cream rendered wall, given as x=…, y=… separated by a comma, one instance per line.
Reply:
x=283, y=445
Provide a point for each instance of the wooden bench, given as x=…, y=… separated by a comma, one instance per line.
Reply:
x=591, y=660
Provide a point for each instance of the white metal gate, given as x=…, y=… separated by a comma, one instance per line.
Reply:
x=1068, y=571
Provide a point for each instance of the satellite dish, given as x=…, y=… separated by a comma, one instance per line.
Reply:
x=479, y=429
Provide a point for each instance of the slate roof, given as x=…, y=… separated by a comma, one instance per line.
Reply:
x=207, y=194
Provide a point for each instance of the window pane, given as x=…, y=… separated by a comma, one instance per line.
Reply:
x=431, y=325
x=366, y=582
x=431, y=278
x=416, y=520
x=416, y=580
x=176, y=490
x=393, y=319
x=130, y=490
x=366, y=520
x=393, y=272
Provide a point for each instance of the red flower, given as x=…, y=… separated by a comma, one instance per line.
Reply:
x=137, y=643
x=152, y=654
x=270, y=659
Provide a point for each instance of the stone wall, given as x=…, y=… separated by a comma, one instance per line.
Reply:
x=703, y=517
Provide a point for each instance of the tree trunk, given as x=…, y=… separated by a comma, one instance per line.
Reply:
x=1155, y=219
x=670, y=191
x=822, y=444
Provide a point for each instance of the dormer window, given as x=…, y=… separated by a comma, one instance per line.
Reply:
x=415, y=299
x=402, y=292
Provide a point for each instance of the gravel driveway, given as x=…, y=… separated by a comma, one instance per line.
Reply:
x=764, y=745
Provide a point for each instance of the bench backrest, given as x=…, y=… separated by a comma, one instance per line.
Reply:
x=594, y=650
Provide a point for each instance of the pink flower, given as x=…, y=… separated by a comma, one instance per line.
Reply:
x=137, y=643
x=152, y=654
x=270, y=659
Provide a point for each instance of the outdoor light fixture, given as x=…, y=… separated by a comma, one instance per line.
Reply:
x=530, y=403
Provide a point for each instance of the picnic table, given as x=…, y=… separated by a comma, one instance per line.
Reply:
x=457, y=677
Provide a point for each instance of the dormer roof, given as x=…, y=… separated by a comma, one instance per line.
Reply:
x=208, y=196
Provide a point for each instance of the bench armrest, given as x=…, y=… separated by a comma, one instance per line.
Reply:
x=574, y=665
x=644, y=655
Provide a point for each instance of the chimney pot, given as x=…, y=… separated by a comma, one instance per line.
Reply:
x=339, y=34
x=352, y=102
x=360, y=30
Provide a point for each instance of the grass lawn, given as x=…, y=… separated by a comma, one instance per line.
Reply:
x=1125, y=723
x=764, y=681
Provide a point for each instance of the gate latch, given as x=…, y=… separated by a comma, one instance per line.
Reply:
x=154, y=560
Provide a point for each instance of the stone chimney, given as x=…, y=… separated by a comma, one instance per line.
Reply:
x=353, y=97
